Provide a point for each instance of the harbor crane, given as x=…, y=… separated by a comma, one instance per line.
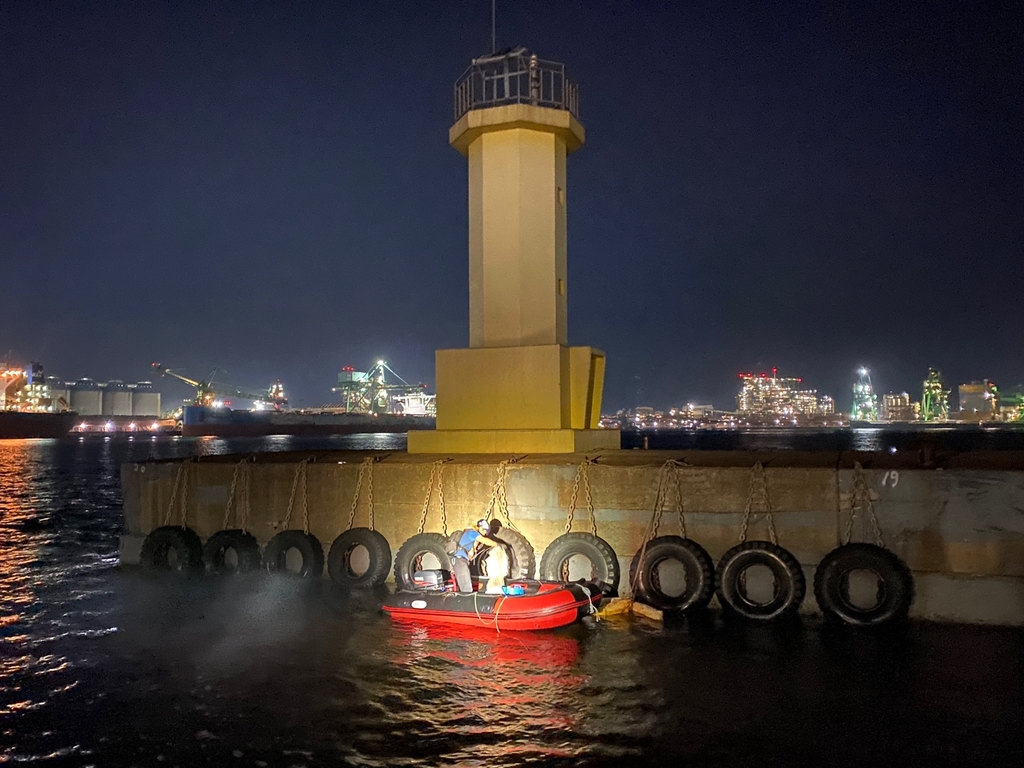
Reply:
x=207, y=392
x=370, y=392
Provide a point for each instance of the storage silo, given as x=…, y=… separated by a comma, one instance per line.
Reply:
x=117, y=399
x=145, y=402
x=86, y=398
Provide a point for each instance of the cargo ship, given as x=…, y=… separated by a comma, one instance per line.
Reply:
x=18, y=424
x=207, y=421
x=27, y=407
x=368, y=404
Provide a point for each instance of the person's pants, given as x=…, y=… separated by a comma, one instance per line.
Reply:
x=462, y=576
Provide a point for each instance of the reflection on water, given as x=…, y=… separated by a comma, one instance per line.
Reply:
x=891, y=438
x=111, y=668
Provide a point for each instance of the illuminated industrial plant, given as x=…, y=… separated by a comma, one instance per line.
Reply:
x=934, y=398
x=772, y=396
x=865, y=404
x=26, y=390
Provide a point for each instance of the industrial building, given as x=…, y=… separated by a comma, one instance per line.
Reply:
x=112, y=398
x=898, y=407
x=978, y=398
x=764, y=395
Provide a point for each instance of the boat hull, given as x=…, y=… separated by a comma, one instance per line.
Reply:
x=199, y=421
x=17, y=425
x=552, y=605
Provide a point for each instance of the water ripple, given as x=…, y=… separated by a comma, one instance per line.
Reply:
x=100, y=666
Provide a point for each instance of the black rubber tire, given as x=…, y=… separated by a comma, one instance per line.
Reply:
x=598, y=551
x=184, y=542
x=831, y=585
x=699, y=567
x=339, y=559
x=308, y=545
x=522, y=559
x=789, y=578
x=247, y=550
x=412, y=549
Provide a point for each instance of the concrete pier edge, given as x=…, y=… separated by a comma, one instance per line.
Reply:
x=957, y=520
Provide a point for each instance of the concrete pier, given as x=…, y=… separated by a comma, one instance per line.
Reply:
x=957, y=522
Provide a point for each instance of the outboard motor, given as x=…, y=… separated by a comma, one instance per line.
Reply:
x=431, y=581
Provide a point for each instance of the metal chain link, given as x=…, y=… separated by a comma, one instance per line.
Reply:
x=305, y=497
x=758, y=485
x=679, y=498
x=174, y=492
x=658, y=504
x=246, y=499
x=436, y=471
x=440, y=498
x=369, y=491
x=299, y=472
x=499, y=499
x=668, y=469
x=426, y=499
x=582, y=473
x=231, y=495
x=184, y=496
x=860, y=497
x=355, y=495
x=366, y=465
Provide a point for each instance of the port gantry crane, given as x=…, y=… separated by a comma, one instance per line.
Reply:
x=369, y=392
x=207, y=392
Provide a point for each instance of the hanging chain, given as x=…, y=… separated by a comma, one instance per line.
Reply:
x=305, y=498
x=184, y=496
x=679, y=497
x=426, y=499
x=355, y=495
x=499, y=499
x=436, y=471
x=369, y=491
x=759, y=487
x=231, y=495
x=668, y=469
x=860, y=498
x=582, y=473
x=246, y=498
x=366, y=468
x=300, y=473
x=440, y=498
x=174, y=492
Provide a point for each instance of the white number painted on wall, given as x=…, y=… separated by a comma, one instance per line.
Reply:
x=891, y=478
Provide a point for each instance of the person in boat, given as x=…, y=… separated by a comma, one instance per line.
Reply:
x=471, y=543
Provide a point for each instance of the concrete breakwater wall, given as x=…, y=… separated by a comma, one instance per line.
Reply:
x=957, y=522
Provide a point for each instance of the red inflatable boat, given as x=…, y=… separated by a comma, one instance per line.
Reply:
x=542, y=605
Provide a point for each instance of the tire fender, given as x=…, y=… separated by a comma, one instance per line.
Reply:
x=789, y=579
x=246, y=548
x=831, y=585
x=699, y=567
x=308, y=545
x=183, y=542
x=339, y=560
x=595, y=549
x=415, y=547
x=522, y=559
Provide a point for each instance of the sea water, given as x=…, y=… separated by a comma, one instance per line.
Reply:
x=116, y=667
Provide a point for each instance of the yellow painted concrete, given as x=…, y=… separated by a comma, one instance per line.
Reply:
x=477, y=122
x=518, y=388
x=517, y=245
x=535, y=387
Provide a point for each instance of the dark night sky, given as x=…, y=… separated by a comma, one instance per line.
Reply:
x=267, y=188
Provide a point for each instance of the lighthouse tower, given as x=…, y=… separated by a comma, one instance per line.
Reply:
x=518, y=387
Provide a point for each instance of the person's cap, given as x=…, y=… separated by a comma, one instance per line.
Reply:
x=483, y=523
